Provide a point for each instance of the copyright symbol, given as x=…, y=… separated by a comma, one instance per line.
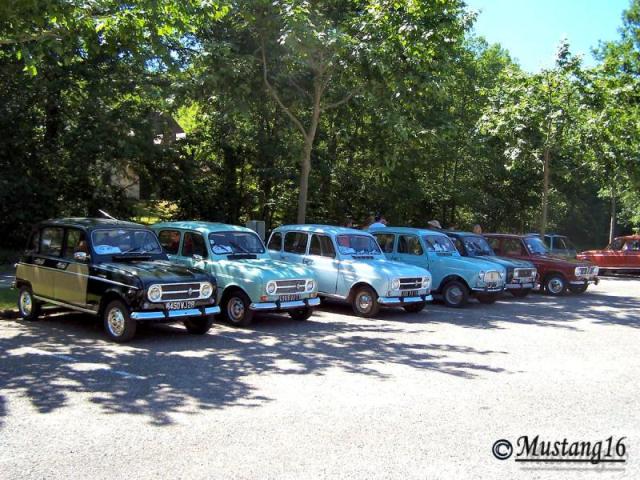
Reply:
x=502, y=449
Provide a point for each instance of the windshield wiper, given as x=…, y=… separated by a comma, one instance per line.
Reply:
x=131, y=250
x=235, y=245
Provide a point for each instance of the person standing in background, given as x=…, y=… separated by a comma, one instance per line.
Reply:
x=378, y=222
x=477, y=229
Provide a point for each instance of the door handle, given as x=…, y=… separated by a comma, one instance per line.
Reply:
x=61, y=265
x=307, y=261
x=39, y=261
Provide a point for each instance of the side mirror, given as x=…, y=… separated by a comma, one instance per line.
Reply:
x=197, y=258
x=81, y=257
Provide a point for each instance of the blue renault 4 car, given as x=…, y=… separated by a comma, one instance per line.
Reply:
x=521, y=275
x=249, y=280
x=454, y=277
x=348, y=265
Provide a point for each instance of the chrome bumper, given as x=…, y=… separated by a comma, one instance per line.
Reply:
x=306, y=302
x=488, y=290
x=585, y=281
x=518, y=286
x=401, y=300
x=169, y=314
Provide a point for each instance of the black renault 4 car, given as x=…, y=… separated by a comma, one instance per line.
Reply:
x=114, y=269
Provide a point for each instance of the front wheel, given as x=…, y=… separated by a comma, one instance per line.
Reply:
x=577, y=289
x=301, y=314
x=487, y=298
x=414, y=307
x=198, y=325
x=235, y=309
x=520, y=293
x=28, y=306
x=455, y=294
x=555, y=285
x=365, y=302
x=118, y=324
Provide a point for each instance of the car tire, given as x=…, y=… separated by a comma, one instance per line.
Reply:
x=118, y=324
x=235, y=309
x=520, y=293
x=578, y=289
x=555, y=285
x=28, y=306
x=414, y=307
x=301, y=314
x=455, y=294
x=487, y=298
x=365, y=302
x=198, y=325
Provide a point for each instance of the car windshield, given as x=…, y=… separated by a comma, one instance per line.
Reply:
x=119, y=241
x=357, y=245
x=536, y=245
x=229, y=243
x=439, y=243
x=562, y=243
x=477, y=246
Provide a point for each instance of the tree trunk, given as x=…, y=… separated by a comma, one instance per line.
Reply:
x=545, y=192
x=305, y=162
x=612, y=224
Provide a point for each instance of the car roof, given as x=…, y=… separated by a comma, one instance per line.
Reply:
x=628, y=237
x=203, y=227
x=327, y=229
x=510, y=235
x=413, y=230
x=90, y=223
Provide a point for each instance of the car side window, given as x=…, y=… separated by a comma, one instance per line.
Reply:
x=409, y=244
x=295, y=242
x=458, y=243
x=275, y=242
x=170, y=241
x=34, y=242
x=51, y=241
x=617, y=244
x=193, y=244
x=512, y=246
x=494, y=243
x=75, y=241
x=321, y=246
x=385, y=240
x=631, y=245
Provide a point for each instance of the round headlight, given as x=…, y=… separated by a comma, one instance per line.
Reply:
x=596, y=270
x=426, y=282
x=271, y=287
x=154, y=293
x=395, y=284
x=310, y=285
x=206, y=289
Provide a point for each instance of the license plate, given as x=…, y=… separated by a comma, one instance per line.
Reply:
x=289, y=298
x=409, y=293
x=180, y=305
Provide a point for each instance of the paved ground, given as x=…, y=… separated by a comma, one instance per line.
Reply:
x=404, y=396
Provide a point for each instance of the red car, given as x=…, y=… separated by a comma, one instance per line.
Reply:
x=622, y=254
x=556, y=275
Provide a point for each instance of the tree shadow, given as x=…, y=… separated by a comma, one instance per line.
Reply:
x=165, y=370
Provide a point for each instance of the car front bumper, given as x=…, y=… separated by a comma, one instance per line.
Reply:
x=585, y=281
x=520, y=286
x=404, y=300
x=488, y=289
x=277, y=305
x=168, y=315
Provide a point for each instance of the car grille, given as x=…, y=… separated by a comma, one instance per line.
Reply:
x=180, y=291
x=586, y=271
x=284, y=287
x=413, y=283
x=593, y=270
x=523, y=273
x=492, y=277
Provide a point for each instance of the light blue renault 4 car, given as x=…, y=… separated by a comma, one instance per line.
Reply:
x=455, y=278
x=248, y=279
x=349, y=265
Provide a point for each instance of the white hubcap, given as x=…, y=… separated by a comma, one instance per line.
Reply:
x=454, y=295
x=555, y=285
x=115, y=322
x=235, y=309
x=364, y=302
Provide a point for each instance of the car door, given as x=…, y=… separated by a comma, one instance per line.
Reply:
x=170, y=242
x=295, y=247
x=193, y=252
x=410, y=250
x=47, y=273
x=436, y=264
x=631, y=254
x=71, y=286
x=321, y=259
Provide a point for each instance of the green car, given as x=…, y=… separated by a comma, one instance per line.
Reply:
x=248, y=279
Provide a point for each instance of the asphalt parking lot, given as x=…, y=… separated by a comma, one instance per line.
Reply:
x=403, y=396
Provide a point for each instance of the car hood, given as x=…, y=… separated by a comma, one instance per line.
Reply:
x=381, y=268
x=150, y=272
x=264, y=268
x=479, y=263
x=556, y=260
x=507, y=262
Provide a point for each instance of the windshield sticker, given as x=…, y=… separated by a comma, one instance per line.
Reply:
x=106, y=250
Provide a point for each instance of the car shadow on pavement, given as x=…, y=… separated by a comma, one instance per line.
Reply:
x=165, y=370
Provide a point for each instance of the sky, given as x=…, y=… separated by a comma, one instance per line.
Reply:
x=531, y=29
